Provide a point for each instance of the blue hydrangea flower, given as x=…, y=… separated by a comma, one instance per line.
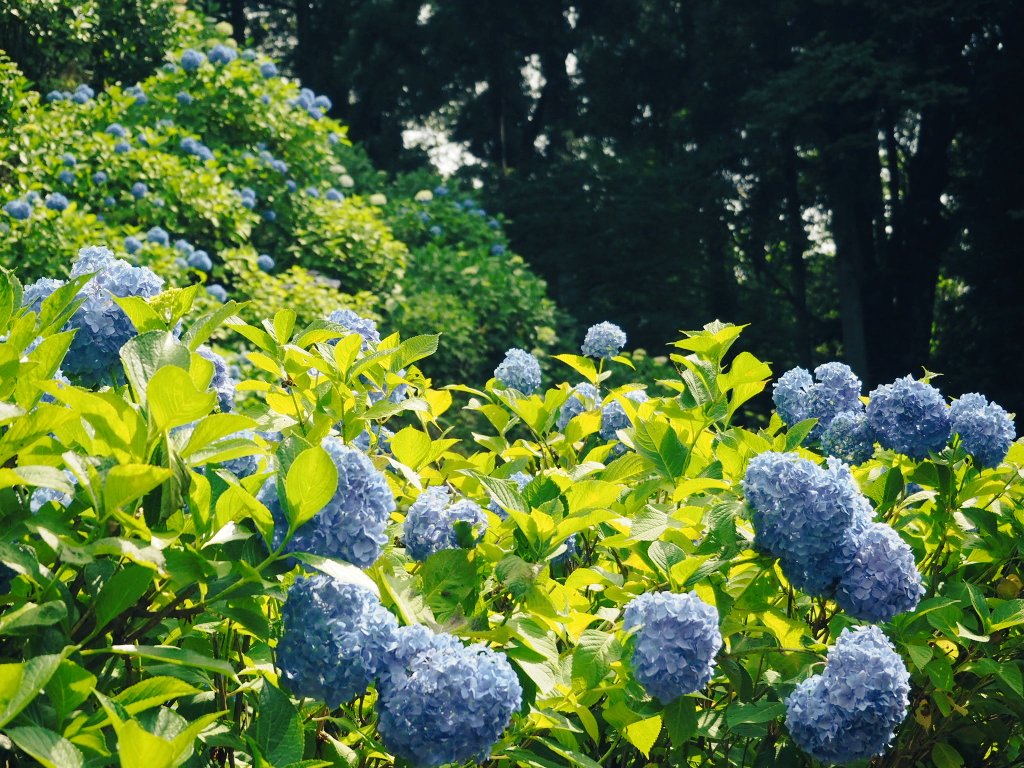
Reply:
x=582, y=398
x=334, y=195
x=675, y=644
x=499, y=250
x=519, y=370
x=200, y=260
x=364, y=326
x=101, y=326
x=848, y=437
x=290, y=185
x=851, y=711
x=430, y=522
x=613, y=415
x=521, y=479
x=909, y=417
x=139, y=190
x=83, y=94
x=790, y=395
x=158, y=235
x=100, y=177
x=66, y=177
x=443, y=702
x=268, y=69
x=68, y=159
x=184, y=98
x=116, y=130
x=184, y=246
x=882, y=579
x=265, y=262
x=806, y=516
x=18, y=209
x=191, y=60
x=55, y=201
x=132, y=244
x=43, y=496
x=222, y=54
x=269, y=215
x=249, y=55
x=837, y=390
x=136, y=92
x=34, y=293
x=351, y=525
x=222, y=383
x=986, y=429
x=219, y=292
x=336, y=639
x=55, y=96
x=603, y=340
x=363, y=440
x=436, y=231
x=109, y=201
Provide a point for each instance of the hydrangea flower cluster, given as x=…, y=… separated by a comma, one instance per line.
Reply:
x=882, y=579
x=200, y=259
x=442, y=702
x=336, y=640
x=676, y=642
x=361, y=325
x=18, y=209
x=848, y=437
x=222, y=383
x=430, y=522
x=986, y=429
x=222, y=54
x=191, y=60
x=315, y=106
x=102, y=327
x=604, y=340
x=192, y=146
x=797, y=396
x=218, y=292
x=851, y=711
x=519, y=370
x=265, y=262
x=351, y=525
x=83, y=94
x=55, y=201
x=806, y=516
x=613, y=415
x=581, y=398
x=909, y=417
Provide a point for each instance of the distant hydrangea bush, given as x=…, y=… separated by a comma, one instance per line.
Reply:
x=520, y=371
x=336, y=639
x=909, y=417
x=604, y=340
x=430, y=522
x=351, y=526
x=444, y=702
x=986, y=429
x=851, y=711
x=675, y=644
x=882, y=579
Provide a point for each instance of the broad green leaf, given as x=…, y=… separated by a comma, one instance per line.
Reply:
x=945, y=756
x=1008, y=614
x=213, y=428
x=122, y=590
x=174, y=400
x=142, y=315
x=448, y=581
x=277, y=730
x=32, y=615
x=311, y=482
x=201, y=330
x=143, y=355
x=658, y=442
x=173, y=655
x=593, y=657
x=153, y=692
x=69, y=687
x=643, y=733
x=413, y=349
x=51, y=749
x=681, y=720
x=21, y=683
x=129, y=482
x=338, y=570
x=411, y=446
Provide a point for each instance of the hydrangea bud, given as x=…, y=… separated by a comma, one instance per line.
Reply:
x=430, y=522
x=909, y=417
x=675, y=644
x=851, y=711
x=603, y=340
x=519, y=370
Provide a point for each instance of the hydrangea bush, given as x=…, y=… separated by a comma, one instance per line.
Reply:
x=288, y=559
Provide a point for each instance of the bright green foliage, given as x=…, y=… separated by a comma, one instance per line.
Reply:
x=141, y=619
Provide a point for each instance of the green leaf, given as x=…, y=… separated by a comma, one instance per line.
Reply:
x=643, y=733
x=411, y=446
x=69, y=687
x=681, y=720
x=201, y=330
x=945, y=756
x=143, y=355
x=181, y=656
x=50, y=749
x=339, y=570
x=142, y=315
x=594, y=655
x=1008, y=614
x=32, y=615
x=413, y=349
x=138, y=748
x=311, y=482
x=448, y=581
x=284, y=324
x=659, y=443
x=121, y=591
x=584, y=366
x=153, y=692
x=174, y=399
x=213, y=428
x=21, y=683
x=129, y=482
x=277, y=730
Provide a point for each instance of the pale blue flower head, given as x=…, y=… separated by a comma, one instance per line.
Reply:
x=268, y=69
x=582, y=398
x=881, y=579
x=218, y=292
x=191, y=60
x=986, y=429
x=158, y=235
x=613, y=415
x=909, y=417
x=200, y=260
x=222, y=383
x=132, y=244
x=18, y=209
x=55, y=201
x=519, y=370
x=675, y=644
x=430, y=522
x=265, y=262
x=364, y=326
x=603, y=340
x=222, y=54
x=848, y=437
